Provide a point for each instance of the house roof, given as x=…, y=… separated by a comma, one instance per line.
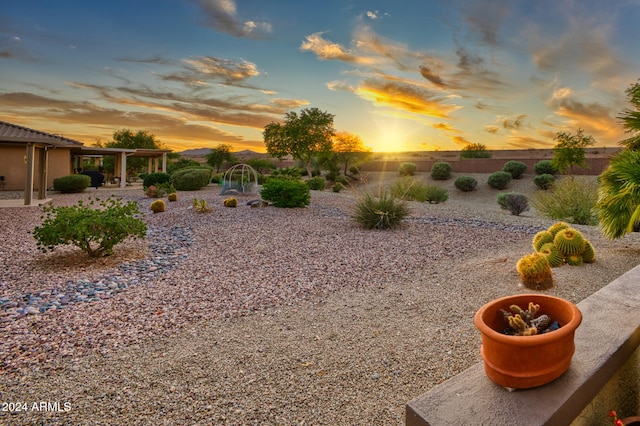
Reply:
x=12, y=133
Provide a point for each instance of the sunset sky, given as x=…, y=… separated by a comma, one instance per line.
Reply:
x=403, y=75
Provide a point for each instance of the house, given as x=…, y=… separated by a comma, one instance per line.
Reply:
x=30, y=159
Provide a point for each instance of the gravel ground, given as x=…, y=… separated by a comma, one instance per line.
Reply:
x=266, y=315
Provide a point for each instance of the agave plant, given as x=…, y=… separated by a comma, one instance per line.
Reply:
x=618, y=204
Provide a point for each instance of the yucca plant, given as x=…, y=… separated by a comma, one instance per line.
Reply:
x=382, y=212
x=618, y=204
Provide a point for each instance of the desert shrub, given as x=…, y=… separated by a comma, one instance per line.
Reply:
x=570, y=200
x=332, y=176
x=191, y=178
x=475, y=150
x=544, y=167
x=499, y=180
x=408, y=188
x=158, y=206
x=71, y=183
x=466, y=183
x=436, y=194
x=200, y=205
x=156, y=179
x=94, y=230
x=286, y=173
x=544, y=181
x=317, y=183
x=217, y=178
x=441, y=170
x=514, y=202
x=383, y=212
x=337, y=187
x=159, y=190
x=515, y=168
x=408, y=169
x=286, y=193
x=342, y=179
x=354, y=170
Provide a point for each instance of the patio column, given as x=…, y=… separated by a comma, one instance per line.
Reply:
x=43, y=172
x=164, y=162
x=123, y=170
x=28, y=181
x=149, y=165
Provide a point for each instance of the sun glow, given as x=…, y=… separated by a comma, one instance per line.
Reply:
x=391, y=136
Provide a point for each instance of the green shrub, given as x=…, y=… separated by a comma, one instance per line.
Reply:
x=436, y=194
x=217, y=178
x=544, y=181
x=286, y=193
x=408, y=169
x=514, y=202
x=475, y=150
x=466, y=183
x=354, y=170
x=441, y=170
x=570, y=200
x=515, y=168
x=543, y=167
x=332, y=176
x=499, y=180
x=286, y=173
x=71, y=183
x=159, y=190
x=408, y=188
x=337, y=187
x=191, y=178
x=156, y=179
x=317, y=183
x=383, y=212
x=94, y=230
x=342, y=179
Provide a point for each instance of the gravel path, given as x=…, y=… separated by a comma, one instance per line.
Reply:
x=263, y=315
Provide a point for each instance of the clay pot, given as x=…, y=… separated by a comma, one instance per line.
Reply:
x=631, y=421
x=523, y=362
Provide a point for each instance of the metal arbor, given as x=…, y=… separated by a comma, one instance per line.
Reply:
x=240, y=179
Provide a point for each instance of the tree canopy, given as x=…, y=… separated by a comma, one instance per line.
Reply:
x=349, y=149
x=301, y=135
x=631, y=118
x=569, y=150
x=219, y=155
x=125, y=138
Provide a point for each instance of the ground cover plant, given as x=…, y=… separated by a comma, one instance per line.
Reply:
x=95, y=227
x=571, y=200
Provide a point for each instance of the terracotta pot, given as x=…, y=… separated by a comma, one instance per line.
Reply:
x=631, y=421
x=527, y=361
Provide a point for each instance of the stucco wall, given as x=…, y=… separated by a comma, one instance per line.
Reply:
x=13, y=168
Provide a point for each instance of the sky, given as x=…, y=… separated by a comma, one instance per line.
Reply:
x=403, y=75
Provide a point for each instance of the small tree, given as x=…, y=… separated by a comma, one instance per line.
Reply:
x=94, y=230
x=569, y=150
x=475, y=150
x=349, y=150
x=302, y=136
x=219, y=155
x=125, y=138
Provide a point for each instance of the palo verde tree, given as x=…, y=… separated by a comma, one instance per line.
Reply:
x=475, y=150
x=125, y=138
x=302, y=136
x=569, y=150
x=349, y=150
x=631, y=118
x=219, y=155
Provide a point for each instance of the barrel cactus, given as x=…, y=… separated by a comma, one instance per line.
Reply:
x=569, y=241
x=553, y=255
x=574, y=259
x=157, y=206
x=557, y=227
x=172, y=197
x=541, y=238
x=589, y=254
x=535, y=271
x=231, y=202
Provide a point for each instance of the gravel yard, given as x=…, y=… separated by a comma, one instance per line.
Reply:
x=264, y=315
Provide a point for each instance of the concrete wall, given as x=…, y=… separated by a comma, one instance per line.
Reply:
x=12, y=166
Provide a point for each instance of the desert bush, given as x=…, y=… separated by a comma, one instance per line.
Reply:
x=475, y=150
x=408, y=169
x=217, y=178
x=436, y=194
x=286, y=193
x=158, y=206
x=317, y=183
x=286, y=173
x=514, y=202
x=155, y=179
x=200, y=205
x=570, y=200
x=544, y=181
x=441, y=170
x=342, y=179
x=543, y=167
x=191, y=178
x=515, y=168
x=466, y=183
x=383, y=212
x=95, y=227
x=408, y=188
x=499, y=180
x=159, y=190
x=354, y=170
x=71, y=183
x=337, y=187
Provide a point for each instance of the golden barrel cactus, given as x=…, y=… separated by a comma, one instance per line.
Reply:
x=540, y=239
x=535, y=271
x=569, y=241
x=157, y=206
x=553, y=255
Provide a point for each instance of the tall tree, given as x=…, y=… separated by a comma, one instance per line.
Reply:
x=301, y=135
x=631, y=118
x=125, y=138
x=569, y=150
x=349, y=150
x=219, y=155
